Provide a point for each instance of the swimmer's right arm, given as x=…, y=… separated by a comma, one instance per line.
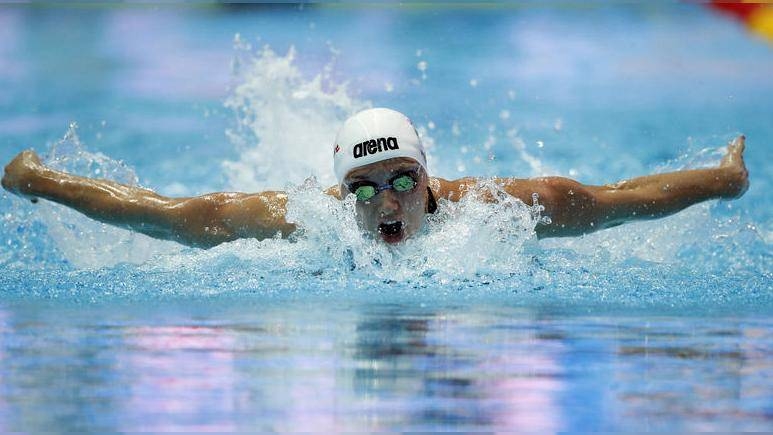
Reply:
x=203, y=221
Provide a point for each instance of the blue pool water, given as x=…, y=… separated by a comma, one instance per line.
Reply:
x=661, y=325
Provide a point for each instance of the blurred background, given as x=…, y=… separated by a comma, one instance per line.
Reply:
x=147, y=83
x=661, y=325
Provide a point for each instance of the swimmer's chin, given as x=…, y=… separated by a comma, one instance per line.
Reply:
x=393, y=239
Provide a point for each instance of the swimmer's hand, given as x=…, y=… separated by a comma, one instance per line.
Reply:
x=735, y=169
x=20, y=174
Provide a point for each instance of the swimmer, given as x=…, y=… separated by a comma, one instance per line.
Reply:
x=379, y=158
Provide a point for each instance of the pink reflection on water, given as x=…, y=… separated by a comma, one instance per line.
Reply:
x=311, y=400
x=520, y=381
x=179, y=376
x=527, y=400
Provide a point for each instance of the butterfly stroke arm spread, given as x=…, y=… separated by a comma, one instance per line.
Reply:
x=202, y=221
x=208, y=220
x=575, y=209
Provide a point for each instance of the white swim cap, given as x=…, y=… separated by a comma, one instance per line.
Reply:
x=372, y=136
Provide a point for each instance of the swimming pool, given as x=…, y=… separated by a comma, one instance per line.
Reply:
x=474, y=326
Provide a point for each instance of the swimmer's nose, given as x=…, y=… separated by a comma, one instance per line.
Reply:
x=389, y=202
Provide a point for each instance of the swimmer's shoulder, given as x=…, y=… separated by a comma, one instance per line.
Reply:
x=452, y=190
x=334, y=191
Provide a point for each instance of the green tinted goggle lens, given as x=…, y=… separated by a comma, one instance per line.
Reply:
x=403, y=183
x=365, y=193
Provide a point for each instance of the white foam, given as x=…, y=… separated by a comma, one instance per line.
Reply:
x=85, y=243
x=463, y=240
x=285, y=122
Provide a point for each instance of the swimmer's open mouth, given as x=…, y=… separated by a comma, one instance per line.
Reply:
x=391, y=232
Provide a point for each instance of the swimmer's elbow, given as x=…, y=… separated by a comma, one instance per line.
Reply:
x=196, y=222
x=573, y=208
x=211, y=220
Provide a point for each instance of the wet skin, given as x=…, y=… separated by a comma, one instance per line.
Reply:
x=209, y=220
x=390, y=209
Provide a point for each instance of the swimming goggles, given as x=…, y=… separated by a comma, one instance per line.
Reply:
x=365, y=190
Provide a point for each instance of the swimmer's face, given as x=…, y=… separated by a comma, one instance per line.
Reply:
x=390, y=215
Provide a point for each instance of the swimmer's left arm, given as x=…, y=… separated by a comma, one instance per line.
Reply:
x=576, y=209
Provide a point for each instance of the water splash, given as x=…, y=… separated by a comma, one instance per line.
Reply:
x=60, y=236
x=709, y=231
x=285, y=123
x=457, y=244
x=70, y=155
